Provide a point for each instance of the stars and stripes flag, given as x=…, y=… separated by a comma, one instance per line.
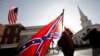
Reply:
x=12, y=15
x=40, y=42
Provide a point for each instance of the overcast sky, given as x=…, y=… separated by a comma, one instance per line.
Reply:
x=41, y=12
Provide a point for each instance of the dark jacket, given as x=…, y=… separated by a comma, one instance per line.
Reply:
x=94, y=38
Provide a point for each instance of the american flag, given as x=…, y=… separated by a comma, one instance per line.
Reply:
x=12, y=15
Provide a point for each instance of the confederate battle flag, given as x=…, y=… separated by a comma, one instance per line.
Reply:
x=40, y=42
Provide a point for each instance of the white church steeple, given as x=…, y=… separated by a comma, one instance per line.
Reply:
x=84, y=20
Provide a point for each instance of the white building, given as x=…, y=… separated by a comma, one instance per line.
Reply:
x=85, y=23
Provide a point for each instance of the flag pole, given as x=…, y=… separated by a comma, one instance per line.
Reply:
x=63, y=21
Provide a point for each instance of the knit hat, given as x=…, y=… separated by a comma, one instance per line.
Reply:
x=68, y=30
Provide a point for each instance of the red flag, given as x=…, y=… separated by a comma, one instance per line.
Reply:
x=12, y=15
x=40, y=42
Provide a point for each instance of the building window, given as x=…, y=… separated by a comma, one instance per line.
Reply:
x=16, y=30
x=14, y=40
x=83, y=34
x=8, y=31
x=6, y=40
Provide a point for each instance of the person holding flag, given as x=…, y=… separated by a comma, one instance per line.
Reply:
x=66, y=43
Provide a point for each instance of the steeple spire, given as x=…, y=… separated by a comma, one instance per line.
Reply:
x=81, y=13
x=84, y=20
